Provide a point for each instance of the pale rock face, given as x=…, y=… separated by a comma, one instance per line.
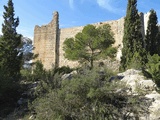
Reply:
x=154, y=109
x=134, y=79
x=148, y=85
x=154, y=95
x=130, y=72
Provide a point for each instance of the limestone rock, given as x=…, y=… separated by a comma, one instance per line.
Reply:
x=136, y=81
x=154, y=109
x=69, y=75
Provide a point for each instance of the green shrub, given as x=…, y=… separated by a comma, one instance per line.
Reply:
x=87, y=97
x=63, y=70
x=153, y=67
x=136, y=61
x=26, y=74
x=38, y=71
x=9, y=93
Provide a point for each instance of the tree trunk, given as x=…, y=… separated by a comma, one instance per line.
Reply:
x=91, y=62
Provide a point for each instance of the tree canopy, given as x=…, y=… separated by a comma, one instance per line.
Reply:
x=132, y=40
x=10, y=59
x=10, y=42
x=152, y=37
x=90, y=44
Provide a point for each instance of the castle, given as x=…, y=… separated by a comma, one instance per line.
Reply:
x=48, y=39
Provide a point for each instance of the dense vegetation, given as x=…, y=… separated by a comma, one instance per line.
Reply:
x=152, y=38
x=13, y=58
x=153, y=68
x=89, y=95
x=79, y=93
x=133, y=44
x=10, y=58
x=138, y=52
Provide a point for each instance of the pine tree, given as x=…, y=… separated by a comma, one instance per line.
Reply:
x=132, y=39
x=152, y=35
x=90, y=45
x=10, y=61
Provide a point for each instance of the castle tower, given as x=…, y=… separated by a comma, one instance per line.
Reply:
x=46, y=43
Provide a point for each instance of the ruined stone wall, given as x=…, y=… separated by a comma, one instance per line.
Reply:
x=45, y=42
x=67, y=33
x=49, y=39
x=116, y=27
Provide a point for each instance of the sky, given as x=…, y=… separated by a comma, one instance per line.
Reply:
x=71, y=12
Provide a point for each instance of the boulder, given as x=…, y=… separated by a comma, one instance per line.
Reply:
x=135, y=80
x=154, y=109
x=69, y=75
x=147, y=85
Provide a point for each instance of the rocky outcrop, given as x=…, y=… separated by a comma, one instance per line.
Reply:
x=138, y=84
x=154, y=109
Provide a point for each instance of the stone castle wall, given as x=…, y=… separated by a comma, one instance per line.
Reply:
x=116, y=26
x=48, y=40
x=67, y=33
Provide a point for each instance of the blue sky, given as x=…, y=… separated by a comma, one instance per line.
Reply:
x=71, y=12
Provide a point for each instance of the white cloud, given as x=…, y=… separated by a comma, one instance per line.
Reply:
x=108, y=5
x=71, y=4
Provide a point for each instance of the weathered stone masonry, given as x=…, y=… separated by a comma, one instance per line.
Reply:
x=46, y=42
x=48, y=39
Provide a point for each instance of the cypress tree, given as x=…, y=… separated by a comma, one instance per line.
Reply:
x=152, y=34
x=158, y=43
x=10, y=41
x=132, y=39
